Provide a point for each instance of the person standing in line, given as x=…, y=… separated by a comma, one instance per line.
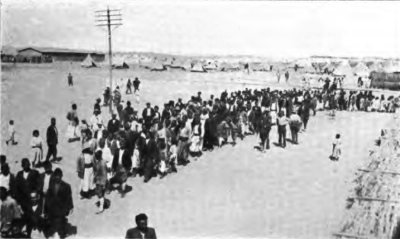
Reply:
x=58, y=205
x=141, y=231
x=52, y=140
x=305, y=111
x=295, y=125
x=10, y=215
x=7, y=179
x=148, y=115
x=97, y=124
x=100, y=179
x=11, y=133
x=26, y=181
x=113, y=125
x=70, y=80
x=265, y=128
x=282, y=121
x=44, y=180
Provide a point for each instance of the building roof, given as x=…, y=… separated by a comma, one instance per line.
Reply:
x=57, y=50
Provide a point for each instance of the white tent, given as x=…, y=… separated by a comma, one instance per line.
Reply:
x=88, y=62
x=119, y=63
x=157, y=66
x=361, y=70
x=225, y=66
x=394, y=67
x=211, y=67
x=343, y=69
x=187, y=65
x=198, y=68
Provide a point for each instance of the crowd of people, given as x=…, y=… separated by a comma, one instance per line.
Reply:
x=153, y=142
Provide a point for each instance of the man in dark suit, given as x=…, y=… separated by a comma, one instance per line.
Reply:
x=150, y=155
x=141, y=231
x=26, y=182
x=34, y=215
x=148, y=116
x=58, y=205
x=166, y=113
x=52, y=140
x=113, y=125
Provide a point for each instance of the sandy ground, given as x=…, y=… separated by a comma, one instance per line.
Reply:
x=295, y=192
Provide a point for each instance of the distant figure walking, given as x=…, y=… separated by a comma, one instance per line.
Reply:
x=136, y=84
x=128, y=87
x=336, y=150
x=141, y=231
x=11, y=133
x=278, y=75
x=287, y=76
x=70, y=80
x=247, y=68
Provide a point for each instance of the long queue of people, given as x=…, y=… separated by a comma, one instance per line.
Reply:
x=153, y=143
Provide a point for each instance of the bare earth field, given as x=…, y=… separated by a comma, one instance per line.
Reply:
x=237, y=192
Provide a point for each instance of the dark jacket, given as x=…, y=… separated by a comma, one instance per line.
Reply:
x=113, y=127
x=152, y=114
x=130, y=139
x=58, y=204
x=52, y=135
x=134, y=233
x=150, y=150
x=126, y=160
x=24, y=187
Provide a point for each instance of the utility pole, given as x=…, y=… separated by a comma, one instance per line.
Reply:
x=109, y=18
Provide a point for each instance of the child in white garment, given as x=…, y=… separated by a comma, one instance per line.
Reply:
x=337, y=148
x=11, y=133
x=36, y=148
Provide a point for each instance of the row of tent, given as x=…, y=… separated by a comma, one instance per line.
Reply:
x=193, y=66
x=362, y=69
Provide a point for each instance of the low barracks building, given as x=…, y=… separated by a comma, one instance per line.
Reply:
x=45, y=55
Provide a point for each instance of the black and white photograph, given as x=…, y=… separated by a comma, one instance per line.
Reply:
x=200, y=119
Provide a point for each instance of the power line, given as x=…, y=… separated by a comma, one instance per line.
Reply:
x=109, y=17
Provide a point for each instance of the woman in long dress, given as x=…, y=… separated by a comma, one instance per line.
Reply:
x=203, y=117
x=36, y=148
x=196, y=138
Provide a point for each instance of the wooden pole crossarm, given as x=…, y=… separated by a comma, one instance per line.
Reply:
x=113, y=15
x=105, y=20
x=101, y=25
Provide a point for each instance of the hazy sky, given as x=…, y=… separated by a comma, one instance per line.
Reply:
x=275, y=29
